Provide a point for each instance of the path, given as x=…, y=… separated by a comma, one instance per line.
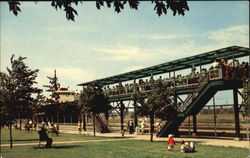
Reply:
x=220, y=141
x=117, y=137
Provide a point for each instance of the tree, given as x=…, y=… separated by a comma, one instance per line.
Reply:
x=156, y=104
x=5, y=103
x=23, y=80
x=93, y=100
x=246, y=99
x=17, y=88
x=160, y=6
x=5, y=98
x=53, y=87
x=40, y=101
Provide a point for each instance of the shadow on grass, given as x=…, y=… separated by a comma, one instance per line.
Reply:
x=19, y=140
x=117, y=137
x=57, y=147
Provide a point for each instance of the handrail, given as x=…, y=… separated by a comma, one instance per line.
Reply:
x=105, y=121
x=148, y=86
x=214, y=74
x=179, y=82
x=193, y=94
x=97, y=125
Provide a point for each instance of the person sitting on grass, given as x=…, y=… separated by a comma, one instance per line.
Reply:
x=44, y=137
x=187, y=147
x=171, y=142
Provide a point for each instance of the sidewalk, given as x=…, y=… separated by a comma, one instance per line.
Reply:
x=204, y=141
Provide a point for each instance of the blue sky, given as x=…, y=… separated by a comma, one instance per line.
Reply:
x=102, y=43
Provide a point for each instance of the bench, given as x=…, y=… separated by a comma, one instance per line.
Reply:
x=44, y=137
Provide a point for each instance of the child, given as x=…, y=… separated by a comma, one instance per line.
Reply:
x=183, y=146
x=187, y=147
x=171, y=142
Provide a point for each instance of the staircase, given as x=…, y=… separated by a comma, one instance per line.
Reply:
x=101, y=123
x=207, y=87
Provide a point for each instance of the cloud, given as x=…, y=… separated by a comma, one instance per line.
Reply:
x=124, y=54
x=162, y=36
x=131, y=68
x=238, y=34
x=67, y=76
x=234, y=35
x=71, y=28
x=71, y=73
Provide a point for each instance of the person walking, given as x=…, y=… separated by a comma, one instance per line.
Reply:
x=171, y=142
x=79, y=126
x=142, y=126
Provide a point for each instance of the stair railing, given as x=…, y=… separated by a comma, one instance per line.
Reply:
x=97, y=124
x=104, y=121
x=159, y=126
x=210, y=75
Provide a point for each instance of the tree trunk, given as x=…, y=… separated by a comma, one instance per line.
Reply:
x=10, y=126
x=94, y=123
x=80, y=119
x=151, y=127
x=20, y=123
x=57, y=118
x=84, y=123
x=0, y=136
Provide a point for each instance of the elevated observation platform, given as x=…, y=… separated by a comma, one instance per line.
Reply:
x=199, y=87
x=227, y=53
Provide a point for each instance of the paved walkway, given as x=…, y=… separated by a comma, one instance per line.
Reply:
x=221, y=141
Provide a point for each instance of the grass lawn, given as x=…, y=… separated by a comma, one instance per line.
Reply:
x=113, y=149
x=31, y=137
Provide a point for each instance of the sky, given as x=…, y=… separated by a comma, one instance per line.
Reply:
x=102, y=43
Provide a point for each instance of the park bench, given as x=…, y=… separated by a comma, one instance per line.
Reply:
x=44, y=137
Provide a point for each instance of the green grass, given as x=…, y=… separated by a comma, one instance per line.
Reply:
x=116, y=149
x=31, y=137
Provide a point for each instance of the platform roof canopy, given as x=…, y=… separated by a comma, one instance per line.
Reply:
x=184, y=63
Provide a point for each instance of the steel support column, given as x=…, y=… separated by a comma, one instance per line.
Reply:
x=215, y=123
x=194, y=125
x=121, y=114
x=175, y=99
x=236, y=113
x=135, y=114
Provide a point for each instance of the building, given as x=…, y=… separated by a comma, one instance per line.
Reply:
x=66, y=95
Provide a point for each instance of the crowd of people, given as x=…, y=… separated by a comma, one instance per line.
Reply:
x=229, y=71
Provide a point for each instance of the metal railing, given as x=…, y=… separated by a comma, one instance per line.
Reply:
x=215, y=74
x=145, y=88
